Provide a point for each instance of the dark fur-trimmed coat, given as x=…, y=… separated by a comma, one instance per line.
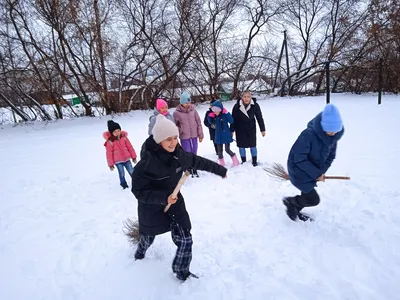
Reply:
x=155, y=178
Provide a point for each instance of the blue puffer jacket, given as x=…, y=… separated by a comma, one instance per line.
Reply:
x=223, y=134
x=311, y=155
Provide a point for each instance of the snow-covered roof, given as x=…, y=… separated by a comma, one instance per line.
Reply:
x=127, y=88
x=256, y=85
x=70, y=96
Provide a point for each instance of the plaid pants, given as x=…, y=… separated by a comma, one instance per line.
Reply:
x=182, y=239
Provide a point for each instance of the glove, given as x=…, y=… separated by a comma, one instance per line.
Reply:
x=134, y=160
x=112, y=168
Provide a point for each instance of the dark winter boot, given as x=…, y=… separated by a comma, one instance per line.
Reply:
x=124, y=185
x=255, y=164
x=184, y=276
x=291, y=208
x=195, y=173
x=304, y=217
x=138, y=255
x=243, y=159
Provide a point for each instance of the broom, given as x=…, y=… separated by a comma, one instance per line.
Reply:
x=278, y=171
x=131, y=227
x=131, y=230
x=177, y=188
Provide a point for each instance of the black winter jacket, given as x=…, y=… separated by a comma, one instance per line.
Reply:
x=154, y=179
x=245, y=123
x=209, y=125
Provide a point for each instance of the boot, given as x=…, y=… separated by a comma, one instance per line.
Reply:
x=221, y=161
x=254, y=158
x=138, y=255
x=243, y=159
x=183, y=276
x=291, y=208
x=235, y=161
x=195, y=173
x=124, y=185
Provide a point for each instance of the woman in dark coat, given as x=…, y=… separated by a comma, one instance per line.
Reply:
x=310, y=157
x=153, y=181
x=244, y=113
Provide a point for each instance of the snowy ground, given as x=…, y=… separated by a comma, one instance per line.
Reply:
x=61, y=214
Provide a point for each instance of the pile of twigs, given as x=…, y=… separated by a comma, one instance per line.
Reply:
x=131, y=230
x=278, y=171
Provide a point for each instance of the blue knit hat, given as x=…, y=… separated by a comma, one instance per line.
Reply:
x=331, y=121
x=218, y=103
x=185, y=98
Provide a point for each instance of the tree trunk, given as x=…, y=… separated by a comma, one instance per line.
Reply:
x=99, y=41
x=320, y=80
x=15, y=109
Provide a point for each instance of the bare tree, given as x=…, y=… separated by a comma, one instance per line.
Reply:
x=173, y=33
x=306, y=18
x=211, y=56
x=259, y=14
x=324, y=31
x=18, y=80
x=345, y=20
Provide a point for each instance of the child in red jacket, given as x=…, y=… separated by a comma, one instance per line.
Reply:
x=119, y=151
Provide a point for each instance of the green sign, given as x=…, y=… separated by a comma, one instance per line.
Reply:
x=76, y=101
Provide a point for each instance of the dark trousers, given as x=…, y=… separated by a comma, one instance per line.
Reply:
x=216, y=148
x=306, y=200
x=182, y=238
x=227, y=150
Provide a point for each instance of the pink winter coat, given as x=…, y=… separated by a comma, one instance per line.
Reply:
x=118, y=151
x=188, y=122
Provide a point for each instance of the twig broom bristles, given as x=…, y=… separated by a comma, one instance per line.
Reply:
x=131, y=228
x=278, y=171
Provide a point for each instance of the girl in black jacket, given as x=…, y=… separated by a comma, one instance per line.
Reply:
x=153, y=181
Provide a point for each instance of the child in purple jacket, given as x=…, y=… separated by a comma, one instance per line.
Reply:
x=190, y=127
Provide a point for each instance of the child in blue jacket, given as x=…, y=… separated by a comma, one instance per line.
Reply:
x=310, y=157
x=220, y=118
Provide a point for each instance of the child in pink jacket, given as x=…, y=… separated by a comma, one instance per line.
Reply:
x=190, y=126
x=119, y=151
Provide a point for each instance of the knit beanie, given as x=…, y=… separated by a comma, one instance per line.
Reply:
x=217, y=106
x=112, y=126
x=163, y=129
x=160, y=103
x=185, y=98
x=331, y=120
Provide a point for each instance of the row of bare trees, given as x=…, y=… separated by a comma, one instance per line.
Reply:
x=128, y=52
x=354, y=35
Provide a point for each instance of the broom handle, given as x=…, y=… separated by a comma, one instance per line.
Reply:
x=337, y=177
x=177, y=188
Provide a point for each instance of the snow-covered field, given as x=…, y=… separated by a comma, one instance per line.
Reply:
x=61, y=215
